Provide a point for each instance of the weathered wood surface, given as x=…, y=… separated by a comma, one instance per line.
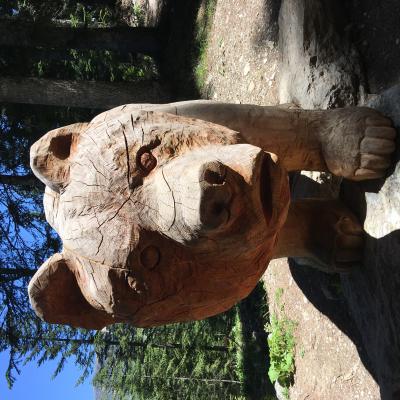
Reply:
x=355, y=142
x=160, y=216
x=171, y=213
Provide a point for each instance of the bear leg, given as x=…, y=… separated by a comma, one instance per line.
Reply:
x=323, y=231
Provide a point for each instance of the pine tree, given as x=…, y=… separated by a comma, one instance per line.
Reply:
x=195, y=370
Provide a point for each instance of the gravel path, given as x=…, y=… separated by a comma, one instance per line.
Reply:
x=242, y=54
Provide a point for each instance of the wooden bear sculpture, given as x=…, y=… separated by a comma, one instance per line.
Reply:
x=172, y=212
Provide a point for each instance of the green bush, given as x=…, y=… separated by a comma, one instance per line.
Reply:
x=281, y=342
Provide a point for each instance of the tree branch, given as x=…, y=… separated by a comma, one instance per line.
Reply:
x=20, y=180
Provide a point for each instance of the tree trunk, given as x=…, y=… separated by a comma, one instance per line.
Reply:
x=120, y=39
x=85, y=94
x=57, y=55
x=20, y=180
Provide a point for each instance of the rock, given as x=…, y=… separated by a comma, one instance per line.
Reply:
x=383, y=208
x=388, y=103
x=270, y=44
x=280, y=391
x=373, y=292
x=246, y=69
x=319, y=69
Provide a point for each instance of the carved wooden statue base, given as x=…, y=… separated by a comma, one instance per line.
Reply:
x=172, y=212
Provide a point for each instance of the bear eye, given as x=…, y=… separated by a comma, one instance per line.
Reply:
x=145, y=160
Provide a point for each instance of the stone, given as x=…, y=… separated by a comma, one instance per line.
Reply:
x=246, y=69
x=383, y=208
x=319, y=67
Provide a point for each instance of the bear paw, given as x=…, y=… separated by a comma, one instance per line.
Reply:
x=357, y=143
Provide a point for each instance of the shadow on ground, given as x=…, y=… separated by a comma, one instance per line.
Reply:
x=365, y=304
x=180, y=49
x=269, y=31
x=375, y=30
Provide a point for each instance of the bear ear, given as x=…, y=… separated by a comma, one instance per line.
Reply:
x=49, y=156
x=56, y=297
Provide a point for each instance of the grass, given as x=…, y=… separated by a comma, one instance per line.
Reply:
x=203, y=26
x=281, y=343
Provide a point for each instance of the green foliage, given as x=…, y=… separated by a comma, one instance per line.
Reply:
x=189, y=361
x=138, y=14
x=26, y=338
x=46, y=11
x=101, y=65
x=87, y=16
x=71, y=64
x=281, y=344
x=223, y=357
x=278, y=296
x=202, y=29
x=239, y=355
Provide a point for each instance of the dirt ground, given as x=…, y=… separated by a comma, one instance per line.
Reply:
x=242, y=56
x=243, y=63
x=375, y=29
x=328, y=363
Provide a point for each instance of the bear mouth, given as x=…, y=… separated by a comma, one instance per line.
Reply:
x=266, y=189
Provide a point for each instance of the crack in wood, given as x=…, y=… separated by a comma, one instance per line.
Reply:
x=127, y=154
x=173, y=197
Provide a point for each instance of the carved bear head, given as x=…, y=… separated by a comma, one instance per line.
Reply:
x=163, y=219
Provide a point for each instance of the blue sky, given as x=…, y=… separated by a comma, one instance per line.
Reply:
x=35, y=383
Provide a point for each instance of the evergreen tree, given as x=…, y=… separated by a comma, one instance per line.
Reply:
x=197, y=369
x=26, y=240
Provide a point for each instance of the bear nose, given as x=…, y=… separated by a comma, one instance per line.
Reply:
x=216, y=195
